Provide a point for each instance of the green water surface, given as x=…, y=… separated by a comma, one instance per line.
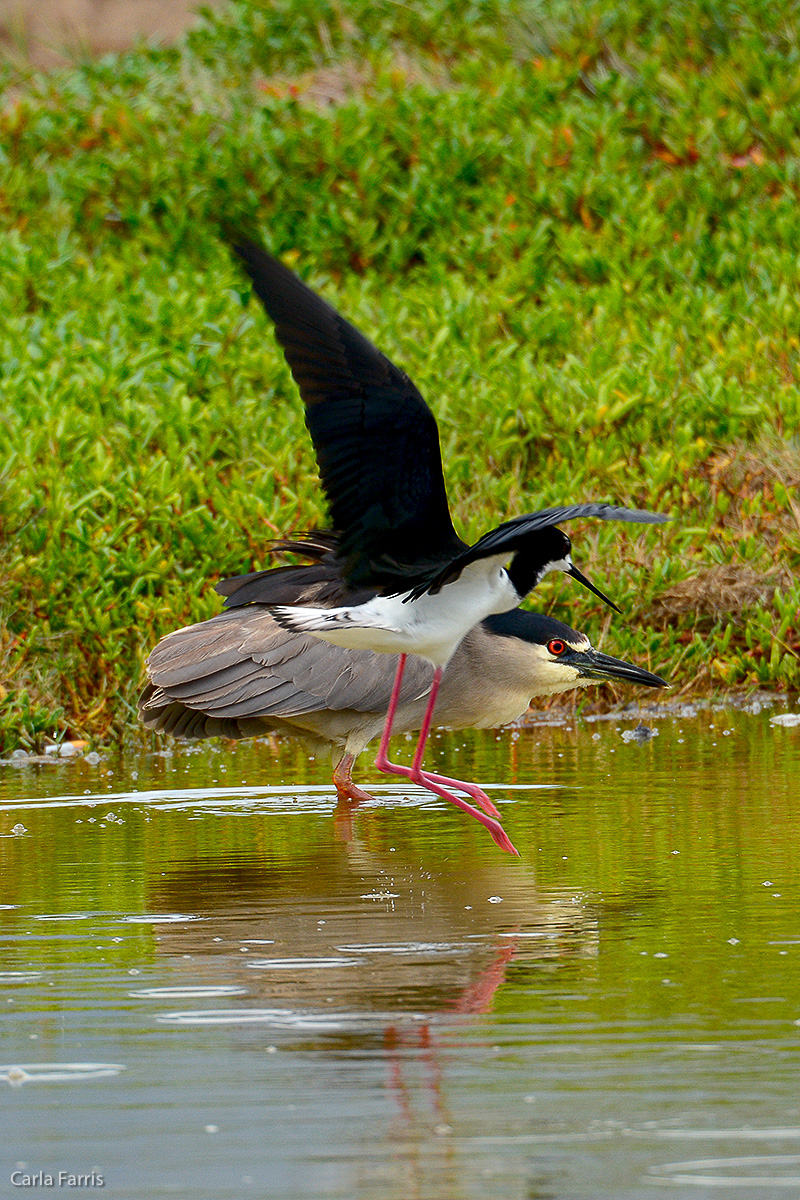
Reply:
x=214, y=985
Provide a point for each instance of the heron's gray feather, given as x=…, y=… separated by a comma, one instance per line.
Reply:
x=257, y=669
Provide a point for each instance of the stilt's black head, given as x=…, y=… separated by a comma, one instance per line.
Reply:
x=542, y=551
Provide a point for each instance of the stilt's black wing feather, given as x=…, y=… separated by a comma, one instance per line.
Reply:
x=519, y=533
x=376, y=440
x=317, y=582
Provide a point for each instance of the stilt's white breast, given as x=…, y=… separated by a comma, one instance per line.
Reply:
x=430, y=627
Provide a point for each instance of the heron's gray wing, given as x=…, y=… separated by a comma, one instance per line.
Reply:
x=157, y=711
x=242, y=665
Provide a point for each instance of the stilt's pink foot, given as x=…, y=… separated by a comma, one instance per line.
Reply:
x=496, y=831
x=501, y=838
x=472, y=789
x=432, y=784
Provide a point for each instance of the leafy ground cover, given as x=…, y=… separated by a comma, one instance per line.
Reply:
x=575, y=225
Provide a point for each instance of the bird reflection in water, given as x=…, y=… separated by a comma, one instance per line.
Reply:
x=381, y=959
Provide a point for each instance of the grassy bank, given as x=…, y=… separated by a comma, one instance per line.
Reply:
x=576, y=226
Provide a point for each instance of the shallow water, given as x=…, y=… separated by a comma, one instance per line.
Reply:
x=213, y=985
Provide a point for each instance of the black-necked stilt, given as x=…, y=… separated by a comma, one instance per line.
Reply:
x=377, y=447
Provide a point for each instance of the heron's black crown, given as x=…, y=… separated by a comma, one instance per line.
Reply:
x=531, y=627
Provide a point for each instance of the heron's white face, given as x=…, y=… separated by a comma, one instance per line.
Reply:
x=551, y=672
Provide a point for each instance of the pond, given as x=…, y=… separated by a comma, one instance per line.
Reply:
x=213, y=984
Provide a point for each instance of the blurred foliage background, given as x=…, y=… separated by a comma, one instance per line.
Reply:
x=576, y=225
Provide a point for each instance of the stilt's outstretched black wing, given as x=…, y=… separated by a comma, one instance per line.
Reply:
x=519, y=536
x=317, y=582
x=376, y=440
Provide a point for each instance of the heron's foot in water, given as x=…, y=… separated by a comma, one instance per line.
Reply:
x=346, y=790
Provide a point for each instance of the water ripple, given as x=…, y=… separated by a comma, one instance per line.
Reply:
x=179, y=993
x=17, y=1074
x=719, y=1171
x=285, y=1018
x=402, y=948
x=301, y=964
x=159, y=918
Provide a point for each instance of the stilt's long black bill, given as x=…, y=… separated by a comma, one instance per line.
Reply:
x=581, y=578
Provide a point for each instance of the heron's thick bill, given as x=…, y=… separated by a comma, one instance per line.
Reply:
x=594, y=665
x=581, y=578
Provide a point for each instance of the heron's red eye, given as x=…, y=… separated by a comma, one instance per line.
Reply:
x=556, y=647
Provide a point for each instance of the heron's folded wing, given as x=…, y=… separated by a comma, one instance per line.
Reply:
x=241, y=664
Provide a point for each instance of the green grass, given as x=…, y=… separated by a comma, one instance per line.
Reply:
x=576, y=226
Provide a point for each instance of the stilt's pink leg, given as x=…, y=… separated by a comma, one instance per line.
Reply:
x=425, y=728
x=390, y=768
x=430, y=782
x=382, y=761
x=471, y=789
